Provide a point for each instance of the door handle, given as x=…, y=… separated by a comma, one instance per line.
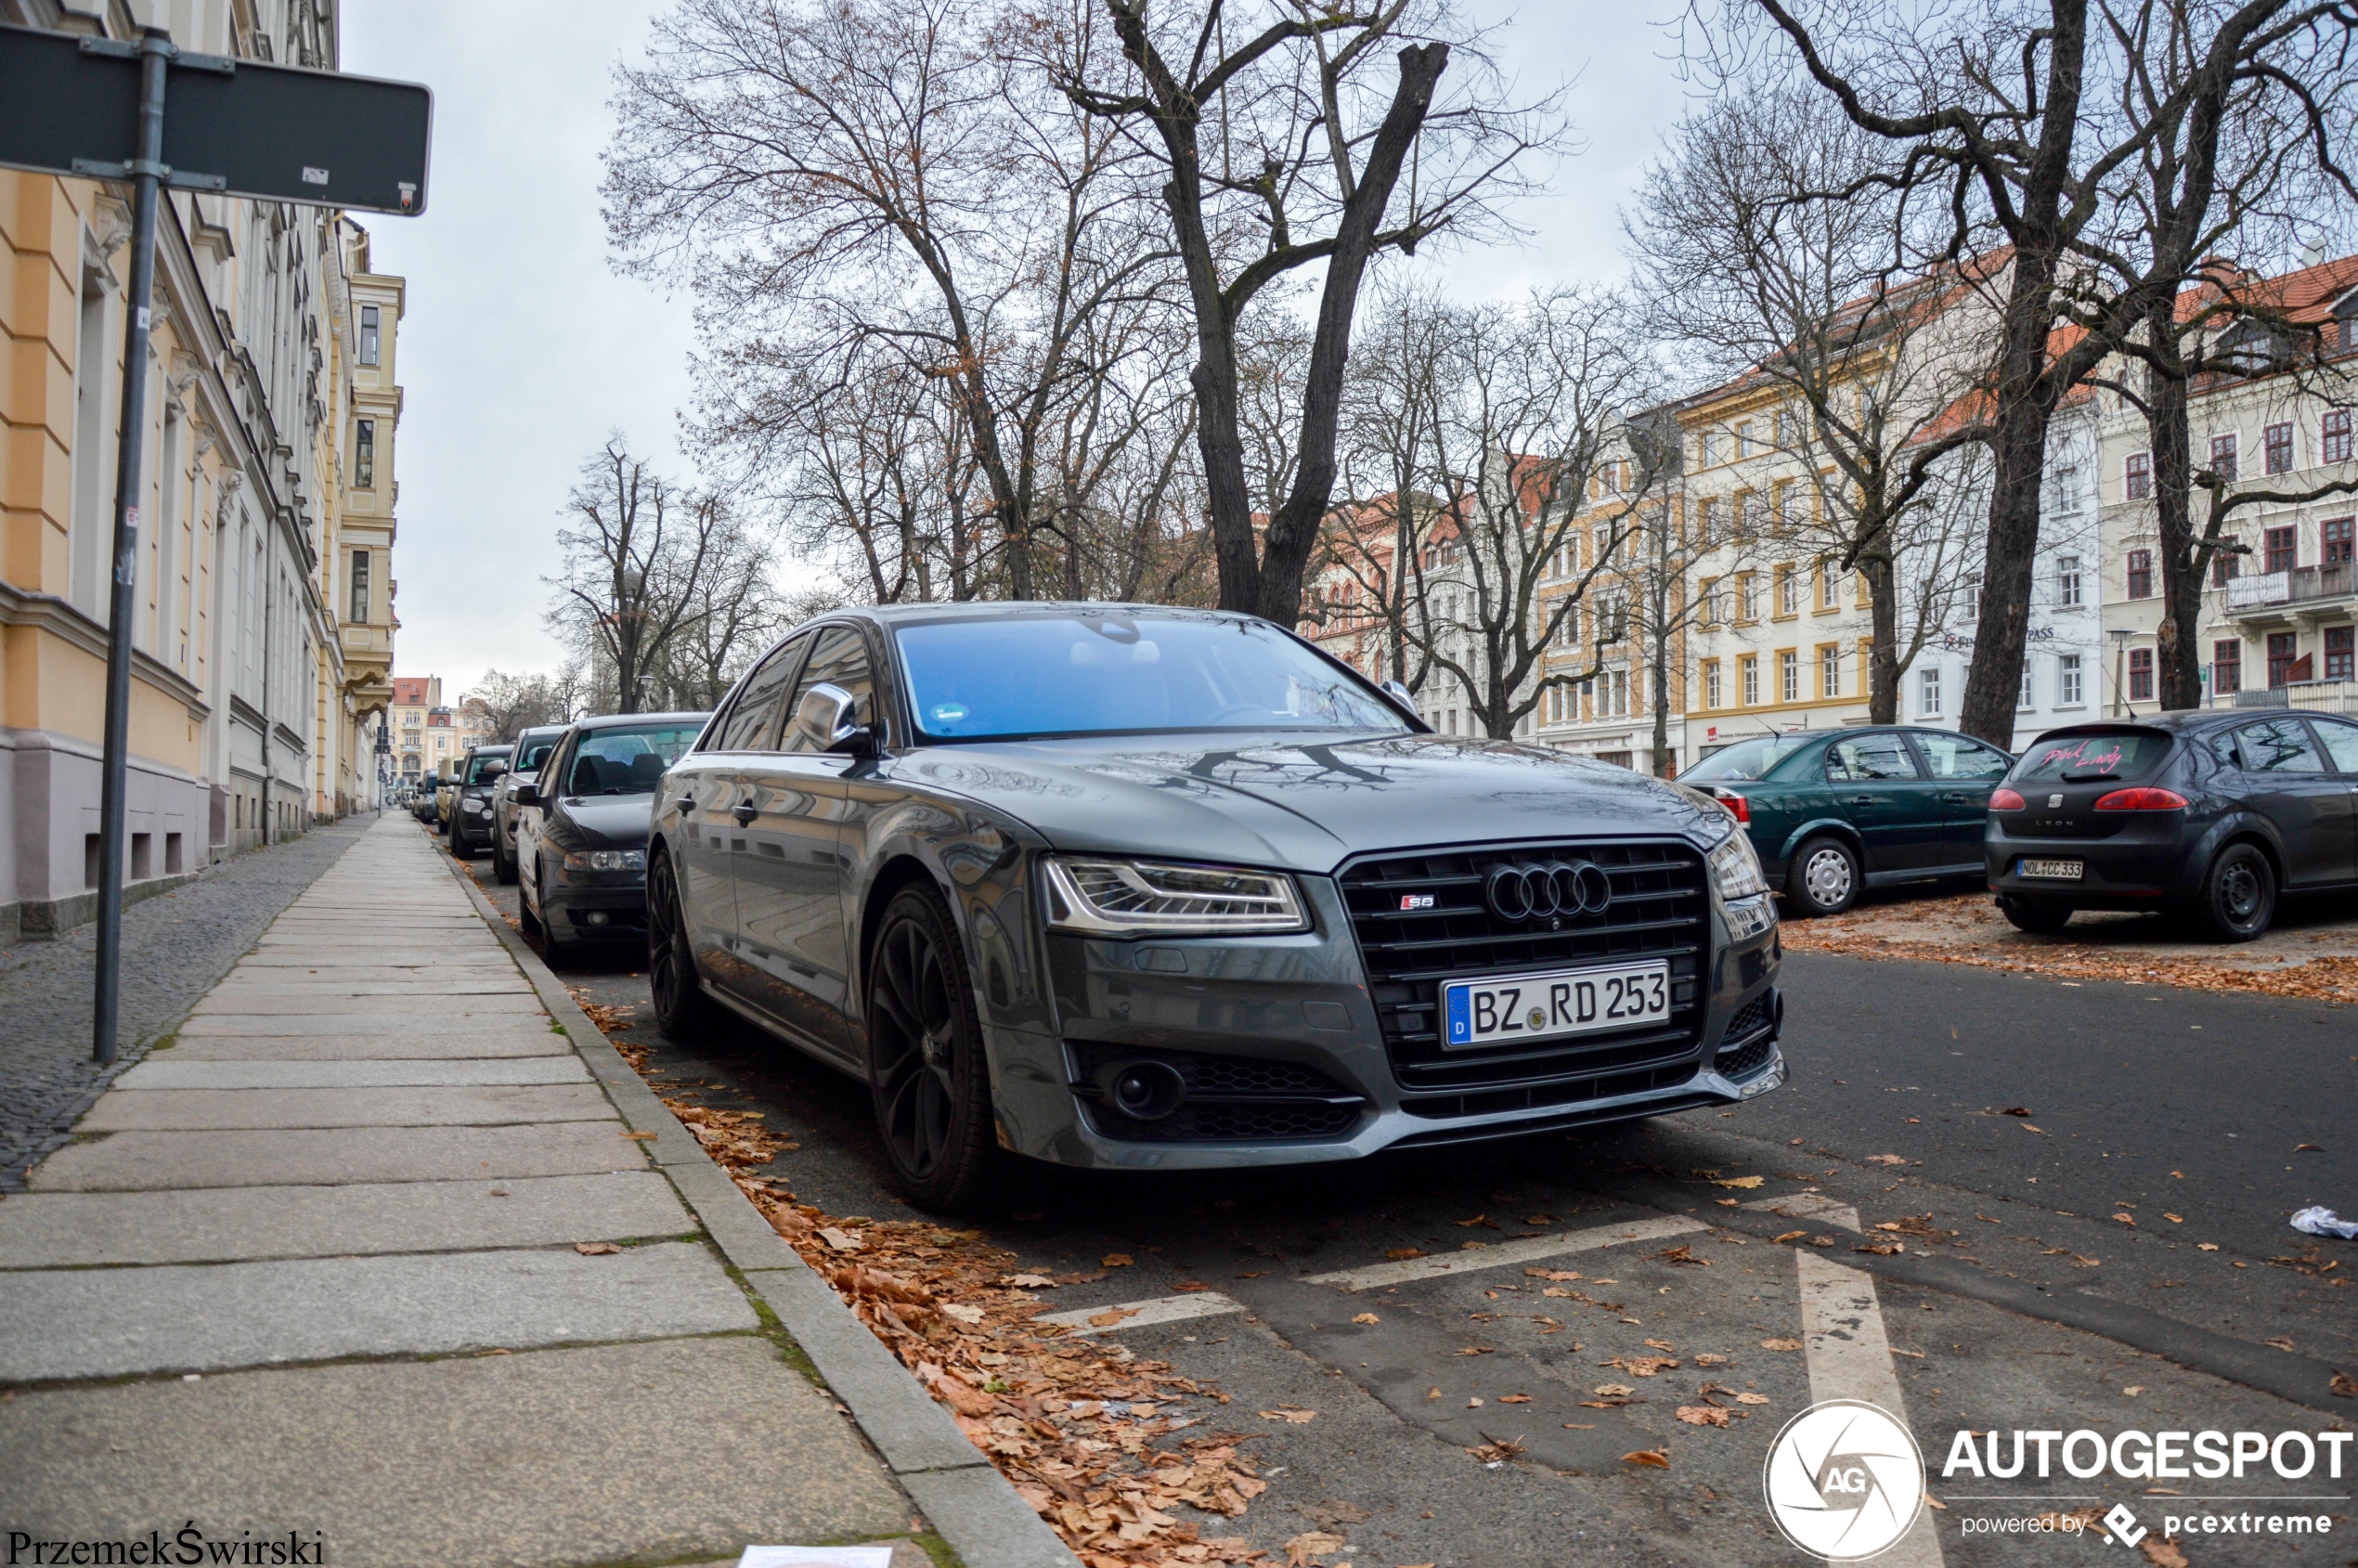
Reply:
x=745, y=813
x=1860, y=800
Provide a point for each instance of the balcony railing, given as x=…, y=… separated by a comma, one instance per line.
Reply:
x=2297, y=586
x=2321, y=696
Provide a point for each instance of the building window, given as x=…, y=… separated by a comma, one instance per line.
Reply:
x=359, y=588
x=1712, y=611
x=2226, y=562
x=1789, y=677
x=1780, y=508
x=2067, y=580
x=2227, y=666
x=2333, y=436
x=2067, y=681
x=1712, y=695
x=1706, y=450
x=364, y=455
x=1788, y=591
x=1830, y=672
x=2280, y=658
x=1752, y=682
x=2333, y=541
x=2141, y=675
x=1743, y=514
x=2137, y=476
x=1743, y=438
x=2223, y=457
x=1829, y=586
x=1748, y=598
x=2029, y=696
x=1928, y=692
x=1707, y=527
x=1616, y=693
x=2277, y=441
x=2141, y=574
x=368, y=334
x=2283, y=547
x=2341, y=652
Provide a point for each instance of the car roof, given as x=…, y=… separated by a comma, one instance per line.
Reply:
x=614, y=720
x=2183, y=718
x=1029, y=609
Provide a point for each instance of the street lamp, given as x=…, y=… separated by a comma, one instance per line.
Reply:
x=2119, y=635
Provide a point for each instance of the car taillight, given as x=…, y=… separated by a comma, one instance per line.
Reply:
x=1738, y=807
x=2141, y=800
x=2006, y=800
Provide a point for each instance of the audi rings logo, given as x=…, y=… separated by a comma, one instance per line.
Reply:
x=1844, y=1479
x=1543, y=893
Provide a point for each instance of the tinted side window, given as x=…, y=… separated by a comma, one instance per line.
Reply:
x=2341, y=744
x=1869, y=757
x=752, y=724
x=838, y=658
x=1952, y=757
x=2281, y=746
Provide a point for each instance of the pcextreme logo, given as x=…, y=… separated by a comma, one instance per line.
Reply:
x=1844, y=1480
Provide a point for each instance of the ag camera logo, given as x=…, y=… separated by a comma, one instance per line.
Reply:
x=1844, y=1480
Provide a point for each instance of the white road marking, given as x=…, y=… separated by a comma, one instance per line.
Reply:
x=1146, y=1314
x=1506, y=1252
x=1850, y=1358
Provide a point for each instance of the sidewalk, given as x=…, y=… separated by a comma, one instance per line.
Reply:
x=317, y=1267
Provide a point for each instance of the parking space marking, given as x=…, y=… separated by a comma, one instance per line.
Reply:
x=1147, y=1313
x=1850, y=1358
x=1502, y=1254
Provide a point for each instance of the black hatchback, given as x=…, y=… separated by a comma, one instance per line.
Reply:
x=2211, y=814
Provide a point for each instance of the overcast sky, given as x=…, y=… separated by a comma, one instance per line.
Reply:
x=521, y=350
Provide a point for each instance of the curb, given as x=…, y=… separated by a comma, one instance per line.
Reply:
x=962, y=1496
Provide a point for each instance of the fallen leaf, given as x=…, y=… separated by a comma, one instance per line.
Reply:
x=1725, y=1202
x=1289, y=1413
x=1887, y=1159
x=1311, y=1544
x=1747, y=1182
x=2206, y=1246
x=1477, y=1219
x=967, y=1315
x=1367, y=1317
x=1882, y=1249
x=2028, y=1128
x=2124, y=1219
x=1614, y=1391
x=1792, y=1236
x=1497, y=1451
x=1191, y=1285
x=2162, y=1552
x=2133, y=1389
x=2344, y=1385
x=1514, y=1399
x=1558, y=1291
x=1032, y=1282
x=1653, y=1458
x=2282, y=1342
x=1474, y=1402
x=1565, y=1274
x=1115, y=1259
x=1399, y=1254
x=1110, y=1316
x=1703, y=1415
x=1706, y=1359
x=595, y=1249
x=1580, y=1426
x=841, y=1241
x=1477, y=1349
x=1539, y=1219
x=1781, y=1344
x=641, y=1137
x=1683, y=1254
x=1660, y=1344
x=2306, y=1149
x=1750, y=1398
x=2018, y=1110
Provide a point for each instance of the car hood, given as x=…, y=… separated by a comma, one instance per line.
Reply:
x=1303, y=805
x=608, y=820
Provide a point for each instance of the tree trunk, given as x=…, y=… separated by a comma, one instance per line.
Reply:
x=1660, y=679
x=2166, y=431
x=1882, y=645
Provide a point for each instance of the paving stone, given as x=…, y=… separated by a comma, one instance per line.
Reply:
x=639, y=1453
x=172, y=1071
x=105, y=1323
x=437, y=1008
x=249, y=1026
x=307, y=1156
x=218, y=1224
x=537, y=1040
x=123, y=1110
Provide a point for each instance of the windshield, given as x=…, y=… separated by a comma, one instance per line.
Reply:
x=1009, y=679
x=2129, y=753
x=627, y=762
x=536, y=753
x=486, y=767
x=1745, y=760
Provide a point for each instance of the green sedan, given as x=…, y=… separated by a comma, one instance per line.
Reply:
x=1833, y=812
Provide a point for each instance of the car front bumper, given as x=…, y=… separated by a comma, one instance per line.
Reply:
x=1284, y=1059
x=596, y=911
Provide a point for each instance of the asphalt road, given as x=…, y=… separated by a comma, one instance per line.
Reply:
x=2020, y=1299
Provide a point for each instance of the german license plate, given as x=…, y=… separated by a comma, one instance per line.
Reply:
x=2054, y=871
x=1556, y=1003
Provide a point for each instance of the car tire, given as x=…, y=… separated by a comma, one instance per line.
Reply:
x=927, y=1069
x=527, y=921
x=2038, y=919
x=504, y=867
x=1824, y=878
x=2237, y=900
x=682, y=1010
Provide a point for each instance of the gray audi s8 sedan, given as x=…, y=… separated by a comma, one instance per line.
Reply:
x=1139, y=888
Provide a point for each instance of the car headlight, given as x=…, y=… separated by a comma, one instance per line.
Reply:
x=607, y=859
x=1735, y=869
x=1145, y=898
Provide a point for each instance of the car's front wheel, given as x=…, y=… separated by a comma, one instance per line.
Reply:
x=2038, y=919
x=527, y=916
x=931, y=1082
x=2238, y=899
x=503, y=865
x=682, y=1011
x=1825, y=878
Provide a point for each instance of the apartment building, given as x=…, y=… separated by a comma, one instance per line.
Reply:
x=245, y=723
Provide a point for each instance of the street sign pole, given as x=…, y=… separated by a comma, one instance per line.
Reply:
x=146, y=174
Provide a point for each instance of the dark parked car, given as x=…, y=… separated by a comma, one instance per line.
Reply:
x=2210, y=813
x=479, y=771
x=533, y=748
x=1152, y=888
x=581, y=826
x=1833, y=812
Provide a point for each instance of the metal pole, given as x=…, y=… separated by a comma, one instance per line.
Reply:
x=146, y=174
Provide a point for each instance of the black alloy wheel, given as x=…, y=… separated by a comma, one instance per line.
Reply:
x=682, y=1011
x=931, y=1084
x=2238, y=898
x=2038, y=919
x=1824, y=876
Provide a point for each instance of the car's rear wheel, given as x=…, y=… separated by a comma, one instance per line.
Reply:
x=503, y=865
x=2038, y=919
x=527, y=921
x=1825, y=876
x=2238, y=898
x=682, y=1011
x=926, y=1061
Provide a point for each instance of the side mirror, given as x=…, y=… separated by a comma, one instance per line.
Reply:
x=828, y=719
x=1402, y=696
x=525, y=795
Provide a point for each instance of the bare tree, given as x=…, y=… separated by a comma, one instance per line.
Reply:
x=1275, y=152
x=513, y=704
